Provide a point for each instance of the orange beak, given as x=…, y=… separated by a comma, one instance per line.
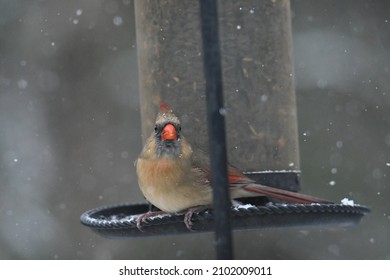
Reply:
x=169, y=133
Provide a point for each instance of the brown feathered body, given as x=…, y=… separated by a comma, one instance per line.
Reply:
x=174, y=178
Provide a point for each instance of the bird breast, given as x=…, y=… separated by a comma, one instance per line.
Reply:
x=169, y=184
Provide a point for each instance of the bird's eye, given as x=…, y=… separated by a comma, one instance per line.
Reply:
x=179, y=127
x=155, y=128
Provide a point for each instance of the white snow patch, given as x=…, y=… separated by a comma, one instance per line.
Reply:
x=236, y=203
x=159, y=216
x=244, y=206
x=346, y=201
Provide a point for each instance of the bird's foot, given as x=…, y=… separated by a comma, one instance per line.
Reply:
x=143, y=217
x=188, y=215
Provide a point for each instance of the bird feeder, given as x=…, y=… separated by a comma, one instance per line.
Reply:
x=260, y=109
x=258, y=80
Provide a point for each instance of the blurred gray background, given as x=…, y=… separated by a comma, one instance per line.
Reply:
x=70, y=130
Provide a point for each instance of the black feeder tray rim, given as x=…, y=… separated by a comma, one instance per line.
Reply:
x=121, y=220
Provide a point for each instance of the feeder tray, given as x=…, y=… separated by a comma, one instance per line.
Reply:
x=120, y=220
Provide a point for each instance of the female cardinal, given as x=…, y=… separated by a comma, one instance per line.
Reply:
x=175, y=179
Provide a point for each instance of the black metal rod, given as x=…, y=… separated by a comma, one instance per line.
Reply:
x=216, y=128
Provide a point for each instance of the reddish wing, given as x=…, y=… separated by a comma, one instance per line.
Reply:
x=238, y=180
x=201, y=163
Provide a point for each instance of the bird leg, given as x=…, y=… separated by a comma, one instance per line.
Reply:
x=143, y=217
x=189, y=212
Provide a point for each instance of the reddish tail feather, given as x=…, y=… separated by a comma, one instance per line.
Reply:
x=285, y=195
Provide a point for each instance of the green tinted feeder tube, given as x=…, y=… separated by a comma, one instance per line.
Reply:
x=256, y=51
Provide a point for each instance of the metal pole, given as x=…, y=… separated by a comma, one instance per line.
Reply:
x=216, y=128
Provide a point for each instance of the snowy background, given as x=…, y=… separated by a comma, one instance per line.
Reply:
x=70, y=130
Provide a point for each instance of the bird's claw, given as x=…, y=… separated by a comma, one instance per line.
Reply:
x=187, y=219
x=143, y=218
x=188, y=216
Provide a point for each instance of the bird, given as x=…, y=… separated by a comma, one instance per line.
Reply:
x=176, y=178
